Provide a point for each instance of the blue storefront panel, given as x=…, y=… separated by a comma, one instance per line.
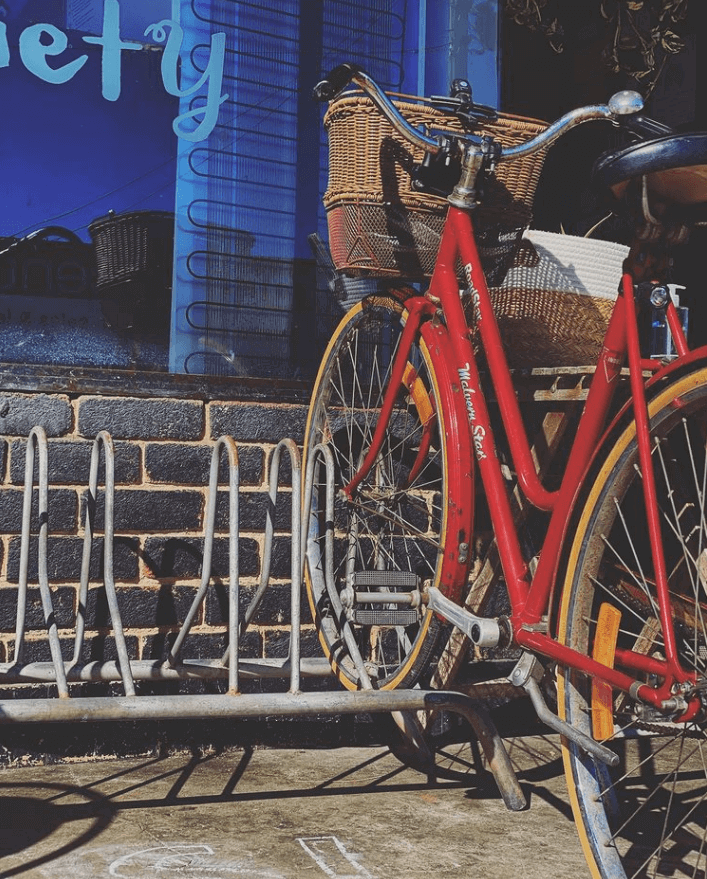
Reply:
x=189, y=121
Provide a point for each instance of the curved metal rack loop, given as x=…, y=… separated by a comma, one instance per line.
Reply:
x=37, y=443
x=103, y=441
x=223, y=444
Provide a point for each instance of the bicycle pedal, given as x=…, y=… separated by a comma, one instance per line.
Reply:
x=407, y=580
x=383, y=589
x=381, y=616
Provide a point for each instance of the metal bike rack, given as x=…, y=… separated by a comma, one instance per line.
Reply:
x=131, y=705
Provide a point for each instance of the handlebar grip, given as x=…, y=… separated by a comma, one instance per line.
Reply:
x=334, y=82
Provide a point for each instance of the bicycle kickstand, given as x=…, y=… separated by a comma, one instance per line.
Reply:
x=527, y=674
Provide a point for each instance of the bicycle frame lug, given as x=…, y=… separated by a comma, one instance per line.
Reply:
x=541, y=626
x=633, y=691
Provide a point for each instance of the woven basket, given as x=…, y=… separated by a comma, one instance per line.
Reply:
x=379, y=226
x=554, y=305
x=134, y=248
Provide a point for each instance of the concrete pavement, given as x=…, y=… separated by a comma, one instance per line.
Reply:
x=342, y=813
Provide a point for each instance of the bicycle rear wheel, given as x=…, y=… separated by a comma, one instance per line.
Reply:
x=394, y=533
x=648, y=816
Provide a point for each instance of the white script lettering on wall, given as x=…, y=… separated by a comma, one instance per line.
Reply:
x=39, y=42
x=213, y=75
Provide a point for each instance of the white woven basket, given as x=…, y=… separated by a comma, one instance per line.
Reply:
x=556, y=300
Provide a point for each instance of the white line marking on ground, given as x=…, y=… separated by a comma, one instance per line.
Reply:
x=331, y=857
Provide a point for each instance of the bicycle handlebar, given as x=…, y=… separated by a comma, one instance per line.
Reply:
x=345, y=74
x=622, y=104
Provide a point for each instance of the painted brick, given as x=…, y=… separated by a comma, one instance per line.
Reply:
x=137, y=418
x=253, y=511
x=62, y=509
x=251, y=465
x=277, y=644
x=140, y=607
x=268, y=423
x=38, y=651
x=281, y=560
x=273, y=609
x=64, y=559
x=157, y=646
x=101, y=648
x=62, y=602
x=184, y=464
x=19, y=413
x=199, y=645
x=69, y=462
x=141, y=511
x=284, y=473
x=182, y=557
x=217, y=604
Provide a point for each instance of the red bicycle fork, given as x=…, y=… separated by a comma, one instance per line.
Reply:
x=417, y=308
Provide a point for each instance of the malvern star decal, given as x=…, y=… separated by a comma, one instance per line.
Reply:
x=477, y=431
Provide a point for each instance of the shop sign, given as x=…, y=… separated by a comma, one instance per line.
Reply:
x=39, y=42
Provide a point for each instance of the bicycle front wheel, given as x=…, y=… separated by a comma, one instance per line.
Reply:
x=392, y=534
x=648, y=816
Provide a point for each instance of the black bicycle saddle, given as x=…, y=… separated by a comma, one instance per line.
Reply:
x=675, y=168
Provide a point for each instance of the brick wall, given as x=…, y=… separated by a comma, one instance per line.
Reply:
x=163, y=450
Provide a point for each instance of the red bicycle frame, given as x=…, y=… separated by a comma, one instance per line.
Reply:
x=530, y=600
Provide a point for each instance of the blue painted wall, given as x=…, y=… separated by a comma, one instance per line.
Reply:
x=247, y=195
x=69, y=154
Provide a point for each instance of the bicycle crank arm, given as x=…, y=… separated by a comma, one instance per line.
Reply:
x=526, y=674
x=483, y=632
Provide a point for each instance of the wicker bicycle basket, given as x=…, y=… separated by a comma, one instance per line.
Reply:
x=379, y=226
x=555, y=302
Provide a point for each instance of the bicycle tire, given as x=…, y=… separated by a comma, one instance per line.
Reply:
x=401, y=514
x=648, y=817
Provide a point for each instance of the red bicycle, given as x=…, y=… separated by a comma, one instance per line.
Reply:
x=403, y=417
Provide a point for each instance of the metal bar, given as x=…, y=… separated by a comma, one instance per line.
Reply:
x=296, y=569
x=322, y=451
x=106, y=441
x=155, y=670
x=296, y=552
x=85, y=574
x=38, y=439
x=645, y=460
x=281, y=704
x=195, y=707
x=209, y=529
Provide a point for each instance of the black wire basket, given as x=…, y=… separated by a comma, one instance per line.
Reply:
x=134, y=248
x=134, y=257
